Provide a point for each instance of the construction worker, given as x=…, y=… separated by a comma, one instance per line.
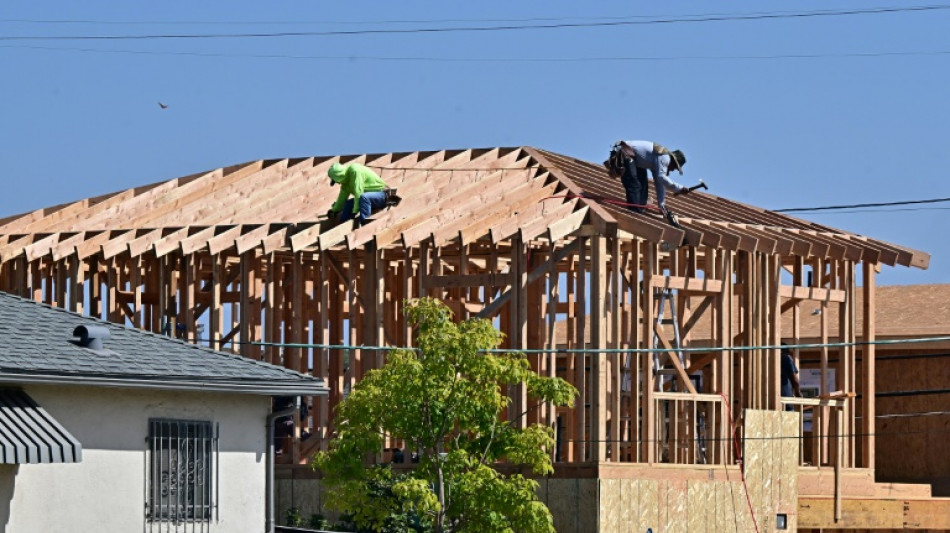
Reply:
x=791, y=387
x=368, y=192
x=642, y=156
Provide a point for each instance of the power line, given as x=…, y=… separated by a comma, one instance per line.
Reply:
x=857, y=206
x=444, y=59
x=494, y=28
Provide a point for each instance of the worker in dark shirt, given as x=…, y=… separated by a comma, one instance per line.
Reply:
x=790, y=384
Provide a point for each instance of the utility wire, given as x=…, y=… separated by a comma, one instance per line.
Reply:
x=858, y=206
x=444, y=59
x=402, y=21
x=596, y=350
x=495, y=28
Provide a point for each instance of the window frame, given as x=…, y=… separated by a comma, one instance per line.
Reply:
x=182, y=467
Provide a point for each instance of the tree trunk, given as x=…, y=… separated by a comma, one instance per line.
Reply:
x=440, y=489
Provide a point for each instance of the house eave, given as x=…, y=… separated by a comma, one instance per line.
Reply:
x=257, y=387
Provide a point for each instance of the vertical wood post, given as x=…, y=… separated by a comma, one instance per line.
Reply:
x=647, y=377
x=598, y=359
x=868, y=388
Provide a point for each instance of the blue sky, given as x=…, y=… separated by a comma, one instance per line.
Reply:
x=776, y=112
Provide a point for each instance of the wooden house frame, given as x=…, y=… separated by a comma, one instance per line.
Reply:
x=242, y=259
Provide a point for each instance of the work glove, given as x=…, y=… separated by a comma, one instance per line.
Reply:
x=331, y=214
x=682, y=190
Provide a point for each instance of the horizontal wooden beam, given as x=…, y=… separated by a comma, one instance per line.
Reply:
x=471, y=280
x=687, y=284
x=812, y=293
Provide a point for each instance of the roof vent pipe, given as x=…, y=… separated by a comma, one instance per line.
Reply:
x=91, y=336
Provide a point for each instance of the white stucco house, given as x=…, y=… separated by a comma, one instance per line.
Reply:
x=107, y=428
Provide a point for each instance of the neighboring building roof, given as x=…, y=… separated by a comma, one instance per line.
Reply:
x=448, y=196
x=37, y=346
x=899, y=311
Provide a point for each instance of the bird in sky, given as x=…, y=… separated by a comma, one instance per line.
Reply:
x=163, y=106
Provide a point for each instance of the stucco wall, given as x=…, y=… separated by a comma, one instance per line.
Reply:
x=106, y=491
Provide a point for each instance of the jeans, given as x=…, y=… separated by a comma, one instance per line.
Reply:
x=636, y=185
x=368, y=202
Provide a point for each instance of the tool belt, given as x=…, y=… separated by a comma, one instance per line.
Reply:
x=616, y=161
x=392, y=199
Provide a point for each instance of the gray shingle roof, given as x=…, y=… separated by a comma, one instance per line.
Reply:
x=37, y=345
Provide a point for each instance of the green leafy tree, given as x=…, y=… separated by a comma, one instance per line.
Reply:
x=446, y=401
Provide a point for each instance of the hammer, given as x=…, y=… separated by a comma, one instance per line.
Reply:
x=701, y=185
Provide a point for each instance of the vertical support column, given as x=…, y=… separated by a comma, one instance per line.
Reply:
x=62, y=272
x=551, y=279
x=775, y=330
x=216, y=316
x=113, y=312
x=77, y=288
x=247, y=292
x=820, y=424
x=374, y=296
x=321, y=356
x=270, y=308
x=190, y=264
x=868, y=388
x=615, y=315
x=424, y=267
x=95, y=288
x=36, y=281
x=407, y=293
x=355, y=372
x=847, y=360
x=135, y=282
x=581, y=436
x=22, y=273
x=647, y=377
x=162, y=309
x=598, y=359
x=518, y=327
x=295, y=359
x=535, y=327
x=633, y=361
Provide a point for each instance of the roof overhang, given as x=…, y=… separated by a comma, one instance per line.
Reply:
x=263, y=388
x=28, y=434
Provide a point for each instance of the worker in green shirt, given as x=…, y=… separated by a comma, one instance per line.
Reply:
x=367, y=190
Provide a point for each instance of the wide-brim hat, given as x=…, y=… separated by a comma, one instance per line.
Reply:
x=679, y=158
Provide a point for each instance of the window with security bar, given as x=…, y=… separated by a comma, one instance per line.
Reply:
x=182, y=473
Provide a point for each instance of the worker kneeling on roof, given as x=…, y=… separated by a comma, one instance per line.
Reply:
x=368, y=192
x=640, y=156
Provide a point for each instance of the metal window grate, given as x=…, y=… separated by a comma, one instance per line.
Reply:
x=182, y=474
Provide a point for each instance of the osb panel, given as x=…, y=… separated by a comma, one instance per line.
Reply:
x=788, y=475
x=587, y=504
x=629, y=505
x=695, y=507
x=711, y=506
x=769, y=469
x=562, y=501
x=722, y=511
x=649, y=505
x=677, y=507
x=609, y=506
x=740, y=506
x=753, y=457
